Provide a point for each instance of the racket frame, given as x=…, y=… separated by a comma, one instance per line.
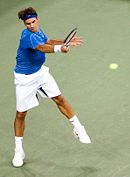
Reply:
x=70, y=37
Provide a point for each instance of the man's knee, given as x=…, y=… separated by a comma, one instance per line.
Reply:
x=20, y=115
x=60, y=100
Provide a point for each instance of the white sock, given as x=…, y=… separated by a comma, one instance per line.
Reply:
x=18, y=143
x=75, y=122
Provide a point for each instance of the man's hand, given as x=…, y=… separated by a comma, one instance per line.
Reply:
x=64, y=49
x=76, y=41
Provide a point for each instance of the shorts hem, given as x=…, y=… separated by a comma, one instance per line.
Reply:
x=30, y=107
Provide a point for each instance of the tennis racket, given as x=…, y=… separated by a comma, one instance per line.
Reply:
x=70, y=37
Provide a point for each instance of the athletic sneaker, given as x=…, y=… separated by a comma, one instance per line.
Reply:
x=18, y=159
x=82, y=135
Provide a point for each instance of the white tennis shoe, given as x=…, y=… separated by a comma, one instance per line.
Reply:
x=82, y=135
x=18, y=159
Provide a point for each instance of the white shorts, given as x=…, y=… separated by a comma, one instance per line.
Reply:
x=27, y=87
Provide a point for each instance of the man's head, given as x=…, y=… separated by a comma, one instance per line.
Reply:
x=30, y=18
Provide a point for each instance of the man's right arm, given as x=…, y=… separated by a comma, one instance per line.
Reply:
x=46, y=48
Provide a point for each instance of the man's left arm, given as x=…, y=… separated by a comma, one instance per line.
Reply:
x=55, y=42
x=74, y=42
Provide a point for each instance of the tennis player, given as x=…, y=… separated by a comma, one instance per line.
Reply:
x=32, y=77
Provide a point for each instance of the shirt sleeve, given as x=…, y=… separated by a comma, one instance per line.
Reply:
x=36, y=40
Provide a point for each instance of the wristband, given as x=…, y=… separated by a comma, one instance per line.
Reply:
x=57, y=48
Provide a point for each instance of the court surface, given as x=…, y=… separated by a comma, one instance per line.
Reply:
x=100, y=96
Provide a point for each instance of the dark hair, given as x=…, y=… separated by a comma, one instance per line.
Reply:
x=25, y=12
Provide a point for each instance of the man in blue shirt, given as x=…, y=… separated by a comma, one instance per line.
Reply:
x=32, y=77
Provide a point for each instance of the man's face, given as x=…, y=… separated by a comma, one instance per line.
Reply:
x=32, y=24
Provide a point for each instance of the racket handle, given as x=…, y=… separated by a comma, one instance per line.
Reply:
x=67, y=45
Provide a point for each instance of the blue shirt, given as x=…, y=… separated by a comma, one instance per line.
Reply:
x=29, y=60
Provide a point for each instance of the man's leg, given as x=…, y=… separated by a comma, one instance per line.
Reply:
x=66, y=109
x=19, y=125
x=64, y=106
